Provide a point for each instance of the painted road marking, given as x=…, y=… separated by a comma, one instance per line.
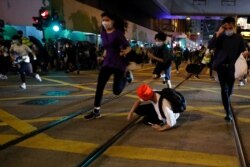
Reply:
x=42, y=141
x=205, y=109
x=130, y=152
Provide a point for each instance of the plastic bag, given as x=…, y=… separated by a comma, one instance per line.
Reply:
x=240, y=67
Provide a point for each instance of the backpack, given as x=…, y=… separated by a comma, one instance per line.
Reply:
x=175, y=98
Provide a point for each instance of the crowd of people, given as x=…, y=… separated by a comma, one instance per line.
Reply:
x=58, y=55
x=31, y=58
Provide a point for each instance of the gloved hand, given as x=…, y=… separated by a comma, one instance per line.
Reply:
x=34, y=58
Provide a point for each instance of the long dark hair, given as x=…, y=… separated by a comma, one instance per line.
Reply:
x=119, y=23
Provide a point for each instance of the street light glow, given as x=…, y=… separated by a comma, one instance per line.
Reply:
x=56, y=28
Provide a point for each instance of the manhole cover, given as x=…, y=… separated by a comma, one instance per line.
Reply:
x=57, y=93
x=41, y=102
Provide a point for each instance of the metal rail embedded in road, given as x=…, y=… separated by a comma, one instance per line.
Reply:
x=96, y=153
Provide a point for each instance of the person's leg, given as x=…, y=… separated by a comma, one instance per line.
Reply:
x=23, y=67
x=119, y=81
x=157, y=71
x=226, y=84
x=29, y=71
x=148, y=111
x=200, y=70
x=168, y=76
x=103, y=78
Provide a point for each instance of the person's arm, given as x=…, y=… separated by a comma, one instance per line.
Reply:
x=30, y=51
x=152, y=56
x=213, y=42
x=170, y=120
x=125, y=51
x=132, y=110
x=124, y=44
x=160, y=128
x=104, y=53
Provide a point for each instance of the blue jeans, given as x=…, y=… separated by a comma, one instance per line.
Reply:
x=168, y=73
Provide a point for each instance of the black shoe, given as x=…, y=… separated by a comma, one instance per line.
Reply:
x=228, y=118
x=164, y=81
x=92, y=115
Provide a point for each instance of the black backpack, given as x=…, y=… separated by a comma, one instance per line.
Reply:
x=175, y=98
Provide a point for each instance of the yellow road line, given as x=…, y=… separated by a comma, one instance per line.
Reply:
x=206, y=109
x=217, y=92
x=20, y=125
x=164, y=155
x=69, y=84
x=48, y=85
x=130, y=152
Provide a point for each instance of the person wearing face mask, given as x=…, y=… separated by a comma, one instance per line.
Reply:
x=116, y=48
x=227, y=47
x=20, y=52
x=163, y=59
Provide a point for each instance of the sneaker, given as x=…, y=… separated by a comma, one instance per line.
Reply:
x=38, y=78
x=228, y=118
x=163, y=76
x=3, y=77
x=212, y=78
x=245, y=80
x=196, y=77
x=23, y=86
x=241, y=83
x=129, y=76
x=163, y=80
x=92, y=115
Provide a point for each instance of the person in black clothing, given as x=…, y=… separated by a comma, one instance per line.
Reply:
x=93, y=56
x=161, y=54
x=228, y=46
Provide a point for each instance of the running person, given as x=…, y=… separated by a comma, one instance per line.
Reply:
x=20, y=52
x=116, y=48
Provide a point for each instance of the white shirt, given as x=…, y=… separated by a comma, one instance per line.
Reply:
x=171, y=117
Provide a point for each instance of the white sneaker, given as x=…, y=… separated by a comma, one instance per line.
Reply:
x=23, y=86
x=38, y=78
x=241, y=83
x=162, y=76
x=4, y=77
x=245, y=80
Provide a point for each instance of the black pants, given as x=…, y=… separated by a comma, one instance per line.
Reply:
x=4, y=64
x=226, y=84
x=149, y=113
x=26, y=69
x=177, y=62
x=119, y=82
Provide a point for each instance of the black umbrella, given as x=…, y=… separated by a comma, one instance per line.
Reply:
x=36, y=41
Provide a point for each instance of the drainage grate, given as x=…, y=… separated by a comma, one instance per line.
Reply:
x=41, y=102
x=57, y=93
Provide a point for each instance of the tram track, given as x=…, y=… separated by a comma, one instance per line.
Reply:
x=108, y=143
x=101, y=149
x=60, y=121
x=90, y=158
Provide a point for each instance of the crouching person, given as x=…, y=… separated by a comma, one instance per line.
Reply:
x=148, y=106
